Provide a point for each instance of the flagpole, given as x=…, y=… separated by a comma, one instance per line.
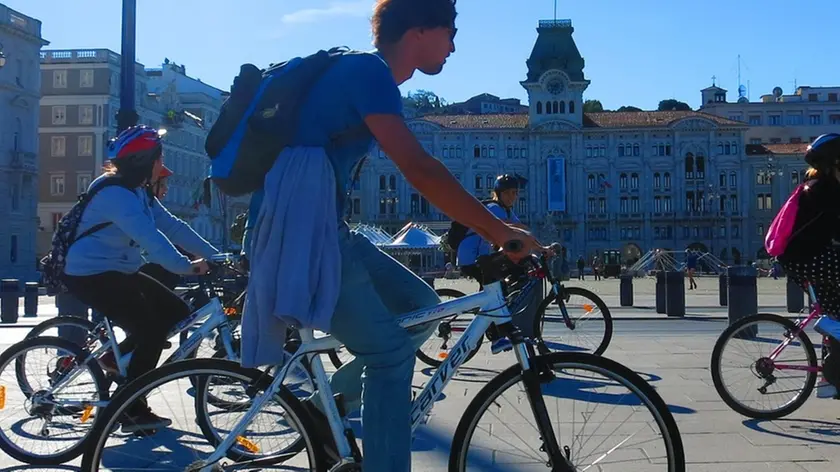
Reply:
x=555, y=10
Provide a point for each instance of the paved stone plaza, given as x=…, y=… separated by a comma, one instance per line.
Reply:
x=672, y=354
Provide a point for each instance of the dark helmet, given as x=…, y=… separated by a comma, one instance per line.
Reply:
x=824, y=152
x=505, y=182
x=136, y=147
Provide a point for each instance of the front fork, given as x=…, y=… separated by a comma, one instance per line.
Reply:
x=534, y=373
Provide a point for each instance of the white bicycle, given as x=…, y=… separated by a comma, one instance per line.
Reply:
x=249, y=446
x=76, y=388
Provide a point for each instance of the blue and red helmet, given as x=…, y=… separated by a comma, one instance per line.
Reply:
x=137, y=146
x=824, y=152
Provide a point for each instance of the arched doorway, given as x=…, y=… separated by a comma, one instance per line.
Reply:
x=630, y=254
x=736, y=256
x=761, y=254
x=723, y=254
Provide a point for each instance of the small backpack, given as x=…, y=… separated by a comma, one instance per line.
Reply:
x=52, y=265
x=259, y=119
x=780, y=233
x=458, y=232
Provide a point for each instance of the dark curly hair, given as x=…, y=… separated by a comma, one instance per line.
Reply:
x=392, y=18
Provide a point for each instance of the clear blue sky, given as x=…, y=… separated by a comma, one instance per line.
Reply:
x=634, y=56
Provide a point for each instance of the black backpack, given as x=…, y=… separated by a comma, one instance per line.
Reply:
x=458, y=232
x=260, y=118
x=52, y=265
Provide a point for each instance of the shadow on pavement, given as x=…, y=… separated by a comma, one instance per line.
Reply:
x=813, y=431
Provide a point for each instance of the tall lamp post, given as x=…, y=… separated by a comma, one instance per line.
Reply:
x=127, y=116
x=713, y=194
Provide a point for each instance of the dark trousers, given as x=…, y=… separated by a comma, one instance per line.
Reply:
x=137, y=303
x=157, y=272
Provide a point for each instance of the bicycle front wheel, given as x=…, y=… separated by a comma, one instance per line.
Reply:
x=577, y=378
x=579, y=321
x=771, y=388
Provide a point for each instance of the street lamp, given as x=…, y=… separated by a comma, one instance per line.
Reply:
x=2, y=56
x=127, y=115
x=714, y=196
x=771, y=169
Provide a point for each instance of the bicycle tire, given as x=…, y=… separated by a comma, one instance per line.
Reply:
x=717, y=352
x=582, y=292
x=206, y=426
x=434, y=363
x=43, y=326
x=507, y=378
x=194, y=368
x=101, y=387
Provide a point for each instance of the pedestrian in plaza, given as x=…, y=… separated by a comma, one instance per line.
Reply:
x=597, y=267
x=581, y=264
x=691, y=258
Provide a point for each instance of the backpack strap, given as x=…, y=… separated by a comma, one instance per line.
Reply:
x=85, y=199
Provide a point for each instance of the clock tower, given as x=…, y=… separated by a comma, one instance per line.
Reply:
x=555, y=81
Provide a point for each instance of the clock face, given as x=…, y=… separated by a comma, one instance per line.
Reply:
x=555, y=87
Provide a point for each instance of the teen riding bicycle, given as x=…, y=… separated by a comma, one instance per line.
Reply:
x=363, y=88
x=812, y=253
x=158, y=189
x=505, y=195
x=102, y=268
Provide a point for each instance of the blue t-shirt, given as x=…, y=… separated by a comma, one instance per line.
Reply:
x=474, y=245
x=357, y=85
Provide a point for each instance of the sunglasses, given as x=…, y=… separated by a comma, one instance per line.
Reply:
x=454, y=31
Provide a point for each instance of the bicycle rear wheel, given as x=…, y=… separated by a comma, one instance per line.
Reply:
x=60, y=321
x=49, y=417
x=170, y=384
x=589, y=327
x=785, y=389
x=656, y=446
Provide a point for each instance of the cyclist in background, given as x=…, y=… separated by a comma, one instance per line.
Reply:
x=102, y=269
x=505, y=194
x=812, y=254
x=170, y=280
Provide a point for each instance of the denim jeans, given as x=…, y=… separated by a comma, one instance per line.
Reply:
x=374, y=289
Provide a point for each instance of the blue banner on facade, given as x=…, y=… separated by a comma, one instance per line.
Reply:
x=556, y=183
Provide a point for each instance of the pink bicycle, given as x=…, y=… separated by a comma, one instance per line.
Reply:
x=778, y=382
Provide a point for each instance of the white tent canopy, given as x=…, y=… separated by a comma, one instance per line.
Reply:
x=375, y=235
x=414, y=236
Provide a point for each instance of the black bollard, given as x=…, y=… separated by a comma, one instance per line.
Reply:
x=626, y=290
x=660, y=292
x=743, y=297
x=9, y=293
x=674, y=293
x=795, y=297
x=30, y=299
x=722, y=288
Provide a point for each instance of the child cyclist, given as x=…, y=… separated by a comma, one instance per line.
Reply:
x=812, y=254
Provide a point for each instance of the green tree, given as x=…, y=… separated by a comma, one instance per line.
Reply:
x=629, y=108
x=425, y=101
x=592, y=106
x=673, y=105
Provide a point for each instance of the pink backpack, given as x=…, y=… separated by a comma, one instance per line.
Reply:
x=781, y=231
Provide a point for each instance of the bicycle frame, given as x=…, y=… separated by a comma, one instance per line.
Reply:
x=490, y=301
x=213, y=312
x=800, y=326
